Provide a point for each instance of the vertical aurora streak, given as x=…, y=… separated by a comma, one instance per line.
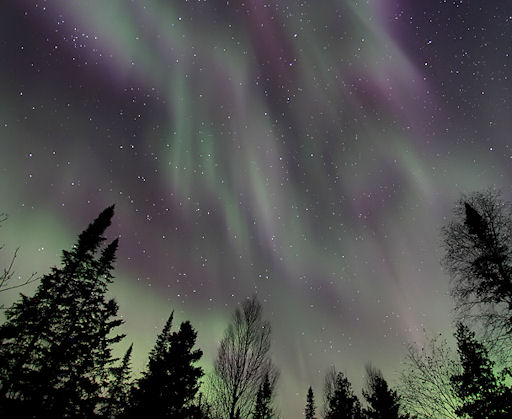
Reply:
x=305, y=151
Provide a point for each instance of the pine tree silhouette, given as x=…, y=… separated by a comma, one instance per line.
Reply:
x=309, y=411
x=263, y=408
x=118, y=391
x=168, y=387
x=484, y=394
x=383, y=402
x=343, y=404
x=55, y=347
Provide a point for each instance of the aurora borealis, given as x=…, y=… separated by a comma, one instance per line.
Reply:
x=308, y=152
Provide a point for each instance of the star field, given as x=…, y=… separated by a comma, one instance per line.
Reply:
x=308, y=152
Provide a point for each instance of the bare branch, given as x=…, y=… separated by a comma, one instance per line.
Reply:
x=242, y=362
x=6, y=277
x=478, y=257
x=425, y=386
x=329, y=386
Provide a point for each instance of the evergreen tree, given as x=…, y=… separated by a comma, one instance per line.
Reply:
x=55, y=347
x=118, y=391
x=309, y=412
x=343, y=403
x=204, y=409
x=168, y=387
x=383, y=402
x=484, y=394
x=263, y=408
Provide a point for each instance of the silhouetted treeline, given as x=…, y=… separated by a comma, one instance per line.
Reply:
x=56, y=346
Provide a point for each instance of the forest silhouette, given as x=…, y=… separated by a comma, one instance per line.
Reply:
x=57, y=345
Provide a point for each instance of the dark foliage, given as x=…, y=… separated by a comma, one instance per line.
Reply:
x=168, y=387
x=343, y=403
x=309, y=411
x=383, y=402
x=119, y=386
x=478, y=255
x=484, y=394
x=55, y=348
x=263, y=408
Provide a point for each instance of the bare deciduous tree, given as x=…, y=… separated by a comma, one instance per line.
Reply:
x=329, y=385
x=425, y=387
x=478, y=256
x=6, y=276
x=242, y=362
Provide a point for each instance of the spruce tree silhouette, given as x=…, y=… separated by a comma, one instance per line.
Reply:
x=484, y=394
x=168, y=386
x=118, y=390
x=263, y=408
x=55, y=347
x=343, y=403
x=383, y=402
x=309, y=411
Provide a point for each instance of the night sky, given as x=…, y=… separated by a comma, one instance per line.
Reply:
x=306, y=151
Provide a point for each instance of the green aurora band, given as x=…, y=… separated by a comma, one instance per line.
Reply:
x=307, y=153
